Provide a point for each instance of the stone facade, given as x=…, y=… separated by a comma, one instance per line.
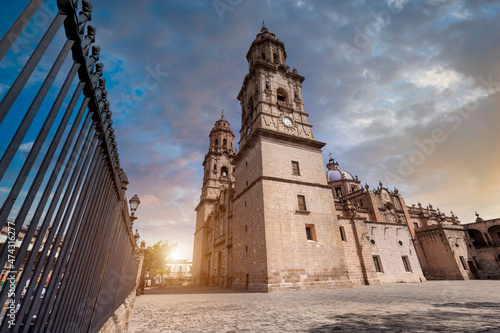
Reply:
x=272, y=221
x=377, y=239
x=218, y=179
x=485, y=236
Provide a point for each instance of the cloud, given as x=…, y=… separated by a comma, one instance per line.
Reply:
x=26, y=147
x=436, y=77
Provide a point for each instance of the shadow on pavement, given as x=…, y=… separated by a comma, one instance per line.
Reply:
x=180, y=290
x=481, y=317
x=470, y=305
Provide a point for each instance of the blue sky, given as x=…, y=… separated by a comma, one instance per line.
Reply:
x=402, y=91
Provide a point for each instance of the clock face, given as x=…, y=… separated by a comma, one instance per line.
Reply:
x=287, y=121
x=248, y=131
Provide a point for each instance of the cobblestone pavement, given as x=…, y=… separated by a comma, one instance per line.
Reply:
x=436, y=306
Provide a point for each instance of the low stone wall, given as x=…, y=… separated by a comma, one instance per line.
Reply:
x=489, y=266
x=118, y=322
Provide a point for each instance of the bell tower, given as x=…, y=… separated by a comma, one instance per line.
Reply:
x=271, y=95
x=285, y=229
x=217, y=164
x=218, y=173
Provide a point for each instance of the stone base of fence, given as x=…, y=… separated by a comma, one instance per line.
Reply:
x=118, y=322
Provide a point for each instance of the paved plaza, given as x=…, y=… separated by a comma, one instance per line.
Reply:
x=436, y=306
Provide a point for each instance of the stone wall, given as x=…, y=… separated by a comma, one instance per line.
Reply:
x=353, y=253
x=488, y=262
x=358, y=253
x=390, y=243
x=485, y=236
x=443, y=247
x=249, y=269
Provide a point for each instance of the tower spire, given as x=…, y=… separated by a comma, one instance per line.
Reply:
x=222, y=116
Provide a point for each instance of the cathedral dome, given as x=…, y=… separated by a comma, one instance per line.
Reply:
x=334, y=173
x=337, y=174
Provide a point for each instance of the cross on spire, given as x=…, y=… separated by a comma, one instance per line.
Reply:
x=222, y=116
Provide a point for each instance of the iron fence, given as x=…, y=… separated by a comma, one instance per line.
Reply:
x=68, y=253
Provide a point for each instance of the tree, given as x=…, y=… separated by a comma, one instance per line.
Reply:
x=155, y=257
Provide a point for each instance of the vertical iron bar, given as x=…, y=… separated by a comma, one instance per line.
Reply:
x=77, y=262
x=87, y=261
x=46, y=222
x=86, y=157
x=14, y=90
x=33, y=109
x=30, y=160
x=85, y=184
x=103, y=275
x=101, y=285
x=88, y=203
x=92, y=290
x=18, y=26
x=66, y=252
x=73, y=260
x=40, y=263
x=85, y=284
x=52, y=180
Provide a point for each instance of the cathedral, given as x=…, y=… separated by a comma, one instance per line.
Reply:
x=271, y=219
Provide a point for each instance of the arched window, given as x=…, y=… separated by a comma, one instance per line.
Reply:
x=477, y=238
x=281, y=94
x=494, y=233
x=216, y=142
x=223, y=172
x=224, y=143
x=338, y=191
x=215, y=166
x=276, y=58
x=250, y=107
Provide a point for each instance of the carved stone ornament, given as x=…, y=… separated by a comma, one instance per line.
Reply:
x=84, y=16
x=385, y=195
x=94, y=77
x=88, y=39
x=93, y=58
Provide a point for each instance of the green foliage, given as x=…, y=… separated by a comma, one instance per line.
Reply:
x=155, y=257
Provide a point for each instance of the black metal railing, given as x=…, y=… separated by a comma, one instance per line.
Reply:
x=68, y=256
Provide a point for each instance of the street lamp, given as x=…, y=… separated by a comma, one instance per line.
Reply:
x=134, y=203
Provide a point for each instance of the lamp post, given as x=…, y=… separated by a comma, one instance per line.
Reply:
x=134, y=203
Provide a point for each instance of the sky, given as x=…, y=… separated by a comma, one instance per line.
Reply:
x=406, y=92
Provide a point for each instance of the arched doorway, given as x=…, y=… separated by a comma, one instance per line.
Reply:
x=208, y=273
x=219, y=270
